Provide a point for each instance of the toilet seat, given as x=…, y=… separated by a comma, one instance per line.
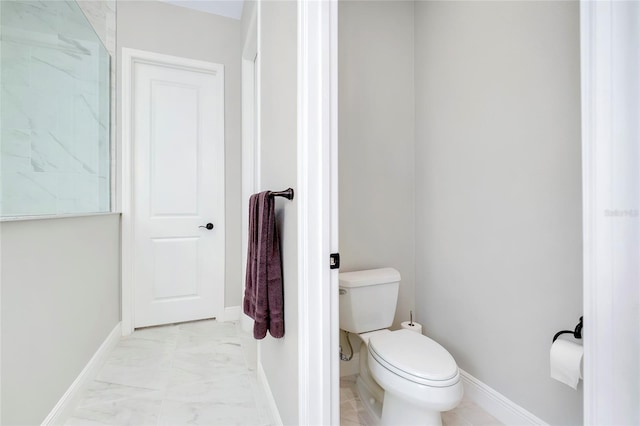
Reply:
x=414, y=357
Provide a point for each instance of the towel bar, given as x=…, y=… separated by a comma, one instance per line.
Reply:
x=287, y=193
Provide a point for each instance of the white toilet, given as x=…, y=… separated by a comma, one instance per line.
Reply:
x=405, y=378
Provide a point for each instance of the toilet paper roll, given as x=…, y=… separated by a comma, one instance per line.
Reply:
x=566, y=362
x=417, y=327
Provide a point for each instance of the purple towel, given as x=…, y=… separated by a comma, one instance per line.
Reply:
x=263, y=294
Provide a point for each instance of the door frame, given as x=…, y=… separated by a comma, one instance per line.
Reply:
x=250, y=142
x=130, y=57
x=317, y=195
x=317, y=171
x=610, y=218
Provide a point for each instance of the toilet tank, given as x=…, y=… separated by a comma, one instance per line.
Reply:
x=368, y=299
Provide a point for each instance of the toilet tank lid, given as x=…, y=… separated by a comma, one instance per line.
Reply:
x=369, y=277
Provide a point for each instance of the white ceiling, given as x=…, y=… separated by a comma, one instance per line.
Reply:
x=228, y=8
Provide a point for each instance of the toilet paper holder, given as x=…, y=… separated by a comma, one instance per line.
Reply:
x=577, y=332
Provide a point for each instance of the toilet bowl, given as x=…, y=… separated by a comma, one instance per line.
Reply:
x=419, y=377
x=405, y=378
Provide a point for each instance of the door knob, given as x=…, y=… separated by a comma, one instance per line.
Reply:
x=208, y=226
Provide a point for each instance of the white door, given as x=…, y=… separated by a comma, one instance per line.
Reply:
x=177, y=137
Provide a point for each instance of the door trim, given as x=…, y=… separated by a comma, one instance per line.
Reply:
x=250, y=145
x=318, y=363
x=129, y=58
x=610, y=213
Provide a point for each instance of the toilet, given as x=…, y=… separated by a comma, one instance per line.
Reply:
x=405, y=378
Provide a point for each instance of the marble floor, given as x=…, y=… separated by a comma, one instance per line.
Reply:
x=185, y=374
x=354, y=413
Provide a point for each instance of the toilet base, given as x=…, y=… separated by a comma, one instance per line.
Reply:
x=372, y=405
x=398, y=411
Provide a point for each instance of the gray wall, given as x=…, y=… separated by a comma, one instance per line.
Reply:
x=278, y=134
x=248, y=9
x=173, y=30
x=376, y=133
x=60, y=299
x=498, y=191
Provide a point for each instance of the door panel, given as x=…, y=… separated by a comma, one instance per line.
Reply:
x=175, y=268
x=178, y=187
x=174, y=153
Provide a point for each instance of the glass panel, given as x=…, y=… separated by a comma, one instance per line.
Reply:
x=54, y=111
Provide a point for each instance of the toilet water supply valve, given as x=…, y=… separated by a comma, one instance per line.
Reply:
x=344, y=357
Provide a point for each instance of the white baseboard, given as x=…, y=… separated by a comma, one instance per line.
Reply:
x=67, y=403
x=496, y=404
x=271, y=402
x=231, y=313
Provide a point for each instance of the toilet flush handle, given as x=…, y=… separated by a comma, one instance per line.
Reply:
x=342, y=291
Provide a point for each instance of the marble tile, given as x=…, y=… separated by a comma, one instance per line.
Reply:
x=149, y=378
x=139, y=363
x=206, y=363
x=28, y=193
x=136, y=376
x=209, y=329
x=42, y=107
x=65, y=117
x=15, y=150
x=132, y=411
x=101, y=15
x=148, y=352
x=201, y=334
x=353, y=412
x=67, y=186
x=96, y=14
x=363, y=414
x=475, y=415
x=31, y=16
x=50, y=89
x=86, y=130
x=164, y=333
x=15, y=64
x=15, y=108
x=249, y=349
x=348, y=390
x=208, y=413
x=452, y=418
x=87, y=195
x=52, y=153
x=104, y=199
x=103, y=392
x=348, y=412
x=191, y=342
x=50, y=67
x=230, y=389
x=350, y=422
